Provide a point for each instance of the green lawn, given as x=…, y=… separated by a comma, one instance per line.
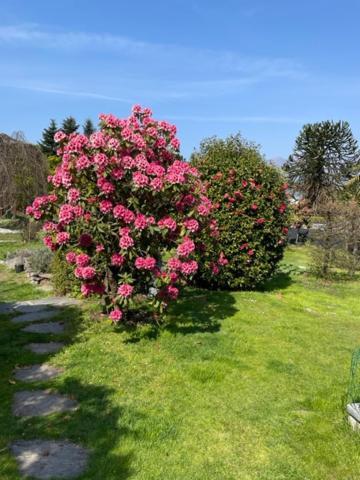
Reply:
x=235, y=386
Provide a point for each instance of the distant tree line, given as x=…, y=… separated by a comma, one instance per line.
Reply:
x=69, y=125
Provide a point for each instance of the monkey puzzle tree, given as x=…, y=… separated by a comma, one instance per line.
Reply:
x=324, y=158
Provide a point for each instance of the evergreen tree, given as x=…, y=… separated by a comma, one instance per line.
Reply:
x=88, y=127
x=47, y=144
x=324, y=159
x=69, y=125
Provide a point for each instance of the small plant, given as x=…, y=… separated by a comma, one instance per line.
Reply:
x=40, y=260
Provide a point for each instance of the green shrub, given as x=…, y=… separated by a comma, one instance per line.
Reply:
x=252, y=211
x=40, y=260
x=63, y=278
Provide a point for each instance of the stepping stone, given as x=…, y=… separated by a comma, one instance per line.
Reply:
x=37, y=373
x=48, y=459
x=50, y=327
x=44, y=348
x=43, y=303
x=35, y=316
x=40, y=403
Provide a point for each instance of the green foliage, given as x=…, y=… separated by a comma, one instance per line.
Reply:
x=47, y=144
x=40, y=260
x=88, y=127
x=325, y=156
x=251, y=213
x=69, y=125
x=63, y=279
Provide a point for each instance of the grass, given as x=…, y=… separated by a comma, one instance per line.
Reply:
x=235, y=386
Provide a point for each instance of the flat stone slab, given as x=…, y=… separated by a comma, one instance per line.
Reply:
x=37, y=373
x=44, y=348
x=40, y=403
x=353, y=409
x=49, y=459
x=35, y=316
x=50, y=327
x=37, y=305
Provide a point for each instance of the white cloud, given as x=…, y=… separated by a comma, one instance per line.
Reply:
x=196, y=60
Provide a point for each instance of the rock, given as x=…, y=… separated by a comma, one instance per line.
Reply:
x=51, y=327
x=45, y=348
x=37, y=373
x=353, y=423
x=40, y=403
x=35, y=316
x=48, y=459
x=353, y=409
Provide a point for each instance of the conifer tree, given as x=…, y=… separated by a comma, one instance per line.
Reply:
x=88, y=127
x=47, y=144
x=69, y=125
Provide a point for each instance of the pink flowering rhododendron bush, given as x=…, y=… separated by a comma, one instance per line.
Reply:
x=127, y=212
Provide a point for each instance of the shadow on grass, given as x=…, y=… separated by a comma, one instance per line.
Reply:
x=198, y=311
x=279, y=281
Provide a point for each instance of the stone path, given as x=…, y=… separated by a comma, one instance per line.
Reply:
x=45, y=348
x=49, y=459
x=51, y=327
x=40, y=403
x=37, y=373
x=43, y=459
x=34, y=316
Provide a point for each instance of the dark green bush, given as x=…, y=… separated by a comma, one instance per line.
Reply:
x=63, y=279
x=252, y=211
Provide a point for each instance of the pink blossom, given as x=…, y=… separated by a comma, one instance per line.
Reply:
x=70, y=257
x=140, y=221
x=191, y=224
x=222, y=259
x=156, y=184
x=125, y=290
x=117, y=259
x=73, y=195
x=140, y=179
x=101, y=160
x=126, y=242
x=99, y=248
x=85, y=273
x=174, y=263
x=82, y=260
x=83, y=162
x=189, y=268
x=128, y=162
x=59, y=136
x=47, y=240
x=186, y=247
x=105, y=206
x=117, y=173
x=173, y=292
x=168, y=222
x=88, y=289
x=62, y=238
x=145, y=263
x=105, y=186
x=116, y=315
x=97, y=139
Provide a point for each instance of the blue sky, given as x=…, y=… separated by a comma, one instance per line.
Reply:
x=261, y=67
